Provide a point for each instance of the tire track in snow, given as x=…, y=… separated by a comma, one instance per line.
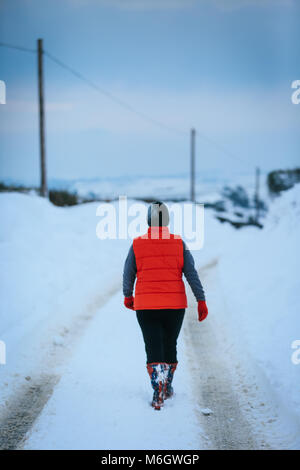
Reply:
x=226, y=427
x=23, y=408
x=226, y=379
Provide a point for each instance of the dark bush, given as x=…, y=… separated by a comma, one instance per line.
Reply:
x=281, y=180
x=3, y=187
x=62, y=198
x=238, y=196
x=57, y=197
x=13, y=187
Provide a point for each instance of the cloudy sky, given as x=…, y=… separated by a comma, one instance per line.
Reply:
x=224, y=67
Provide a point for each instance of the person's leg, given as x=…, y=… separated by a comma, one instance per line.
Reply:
x=172, y=323
x=150, y=322
x=151, y=325
x=171, y=329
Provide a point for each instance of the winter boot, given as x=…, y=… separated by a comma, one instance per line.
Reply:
x=169, y=374
x=156, y=371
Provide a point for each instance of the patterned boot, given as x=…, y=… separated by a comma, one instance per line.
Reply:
x=156, y=371
x=169, y=374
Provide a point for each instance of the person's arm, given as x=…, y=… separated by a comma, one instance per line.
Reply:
x=191, y=274
x=129, y=275
x=192, y=277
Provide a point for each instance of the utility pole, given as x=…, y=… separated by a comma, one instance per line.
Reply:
x=193, y=134
x=43, y=186
x=256, y=197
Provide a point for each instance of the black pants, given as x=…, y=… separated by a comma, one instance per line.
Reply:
x=160, y=330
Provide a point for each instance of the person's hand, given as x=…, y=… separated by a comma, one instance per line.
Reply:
x=128, y=302
x=202, y=310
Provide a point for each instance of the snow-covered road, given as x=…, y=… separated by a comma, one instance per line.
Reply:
x=102, y=400
x=75, y=375
x=225, y=379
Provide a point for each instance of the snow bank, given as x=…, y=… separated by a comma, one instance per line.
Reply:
x=259, y=271
x=54, y=270
x=50, y=258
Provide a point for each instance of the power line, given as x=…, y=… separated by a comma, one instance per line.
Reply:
x=20, y=48
x=99, y=89
x=112, y=97
x=223, y=149
x=124, y=104
x=139, y=113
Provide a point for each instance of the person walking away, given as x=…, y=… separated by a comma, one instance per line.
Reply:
x=157, y=260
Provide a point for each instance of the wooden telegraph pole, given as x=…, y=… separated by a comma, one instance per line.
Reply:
x=257, y=176
x=43, y=186
x=193, y=134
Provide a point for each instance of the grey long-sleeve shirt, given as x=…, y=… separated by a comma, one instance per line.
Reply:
x=189, y=270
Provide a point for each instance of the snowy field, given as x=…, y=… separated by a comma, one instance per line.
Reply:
x=208, y=185
x=61, y=316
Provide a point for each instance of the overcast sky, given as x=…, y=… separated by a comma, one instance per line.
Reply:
x=222, y=66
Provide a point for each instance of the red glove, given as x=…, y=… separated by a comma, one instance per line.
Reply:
x=202, y=310
x=128, y=302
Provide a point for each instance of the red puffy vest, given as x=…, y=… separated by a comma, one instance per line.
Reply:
x=159, y=262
